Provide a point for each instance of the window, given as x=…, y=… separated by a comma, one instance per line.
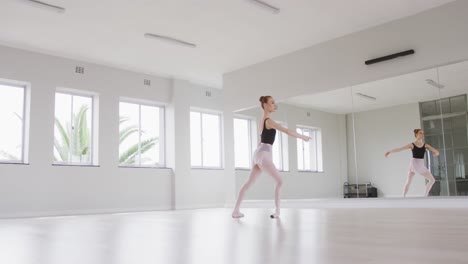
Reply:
x=73, y=132
x=12, y=120
x=141, y=135
x=309, y=154
x=280, y=150
x=243, y=142
x=205, y=139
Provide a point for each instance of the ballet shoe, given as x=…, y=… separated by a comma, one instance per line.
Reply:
x=275, y=215
x=237, y=215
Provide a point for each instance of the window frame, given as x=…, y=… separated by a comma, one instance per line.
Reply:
x=311, y=130
x=282, y=141
x=93, y=131
x=221, y=156
x=252, y=132
x=162, y=131
x=26, y=87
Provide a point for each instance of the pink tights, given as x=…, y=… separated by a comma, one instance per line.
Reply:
x=262, y=161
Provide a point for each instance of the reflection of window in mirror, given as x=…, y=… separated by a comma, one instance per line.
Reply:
x=309, y=154
x=244, y=142
x=205, y=139
x=280, y=150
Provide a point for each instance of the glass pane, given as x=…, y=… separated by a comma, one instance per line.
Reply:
x=242, y=149
x=318, y=134
x=284, y=151
x=81, y=129
x=432, y=127
x=462, y=186
x=445, y=104
x=12, y=120
x=460, y=137
x=128, y=134
x=458, y=104
x=211, y=140
x=300, y=151
x=150, y=135
x=310, y=161
x=277, y=154
x=429, y=109
x=195, y=139
x=62, y=130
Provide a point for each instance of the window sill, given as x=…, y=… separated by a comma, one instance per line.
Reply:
x=75, y=165
x=243, y=169
x=206, y=168
x=307, y=171
x=144, y=167
x=13, y=163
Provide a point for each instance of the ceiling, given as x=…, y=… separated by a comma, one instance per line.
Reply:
x=404, y=89
x=229, y=34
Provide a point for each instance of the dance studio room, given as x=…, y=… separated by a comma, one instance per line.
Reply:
x=233, y=132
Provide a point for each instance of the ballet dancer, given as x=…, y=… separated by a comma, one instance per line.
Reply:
x=417, y=162
x=263, y=158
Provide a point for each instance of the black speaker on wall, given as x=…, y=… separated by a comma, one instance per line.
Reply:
x=390, y=57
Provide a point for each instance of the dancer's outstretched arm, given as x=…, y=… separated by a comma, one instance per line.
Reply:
x=398, y=149
x=434, y=151
x=273, y=124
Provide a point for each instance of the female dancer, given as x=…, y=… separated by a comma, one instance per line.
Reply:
x=417, y=162
x=262, y=158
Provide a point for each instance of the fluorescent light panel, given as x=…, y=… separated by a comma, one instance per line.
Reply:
x=368, y=97
x=47, y=6
x=265, y=5
x=435, y=84
x=170, y=40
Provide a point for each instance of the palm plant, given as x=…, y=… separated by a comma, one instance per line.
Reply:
x=78, y=140
x=130, y=155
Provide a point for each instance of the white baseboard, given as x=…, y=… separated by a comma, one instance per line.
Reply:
x=409, y=202
x=199, y=206
x=64, y=213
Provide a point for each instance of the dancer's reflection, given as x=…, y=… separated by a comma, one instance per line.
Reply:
x=417, y=162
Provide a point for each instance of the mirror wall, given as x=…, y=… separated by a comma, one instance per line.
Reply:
x=352, y=128
x=453, y=79
x=316, y=169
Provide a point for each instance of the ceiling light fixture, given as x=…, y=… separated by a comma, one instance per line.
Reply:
x=170, y=39
x=435, y=84
x=47, y=6
x=265, y=5
x=368, y=97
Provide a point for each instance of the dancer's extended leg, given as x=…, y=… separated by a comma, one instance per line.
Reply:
x=269, y=167
x=252, y=177
x=408, y=182
x=430, y=183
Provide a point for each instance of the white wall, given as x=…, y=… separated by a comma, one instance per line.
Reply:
x=377, y=132
x=305, y=185
x=438, y=37
x=194, y=187
x=42, y=189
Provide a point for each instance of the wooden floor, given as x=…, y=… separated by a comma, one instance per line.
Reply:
x=337, y=235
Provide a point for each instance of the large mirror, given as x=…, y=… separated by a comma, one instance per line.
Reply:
x=393, y=156
x=314, y=169
x=385, y=114
x=353, y=128
x=453, y=83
